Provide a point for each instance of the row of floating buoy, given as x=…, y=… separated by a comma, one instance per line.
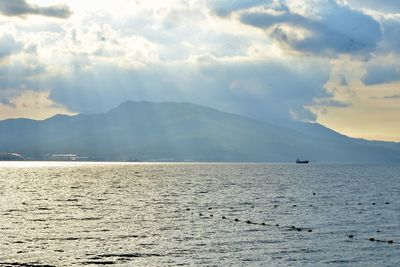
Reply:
x=255, y=223
x=294, y=228
x=376, y=240
x=373, y=203
x=359, y=203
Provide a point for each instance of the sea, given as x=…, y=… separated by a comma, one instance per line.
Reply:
x=198, y=214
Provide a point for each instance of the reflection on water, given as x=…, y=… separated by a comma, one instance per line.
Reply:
x=63, y=214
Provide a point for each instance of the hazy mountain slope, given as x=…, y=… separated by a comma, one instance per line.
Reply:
x=179, y=131
x=320, y=131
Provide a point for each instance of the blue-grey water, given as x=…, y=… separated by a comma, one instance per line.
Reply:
x=63, y=214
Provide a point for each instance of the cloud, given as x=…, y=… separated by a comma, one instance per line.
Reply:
x=324, y=27
x=31, y=104
x=225, y=7
x=390, y=6
x=102, y=42
x=391, y=31
x=377, y=74
x=329, y=102
x=381, y=69
x=6, y=102
x=23, y=8
x=392, y=97
x=9, y=46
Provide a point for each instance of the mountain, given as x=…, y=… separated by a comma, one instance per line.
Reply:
x=320, y=131
x=184, y=131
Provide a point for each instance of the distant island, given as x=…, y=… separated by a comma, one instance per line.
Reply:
x=169, y=131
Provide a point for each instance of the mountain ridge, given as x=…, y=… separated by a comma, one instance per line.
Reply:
x=184, y=131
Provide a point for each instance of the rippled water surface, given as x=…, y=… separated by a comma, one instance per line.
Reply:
x=60, y=214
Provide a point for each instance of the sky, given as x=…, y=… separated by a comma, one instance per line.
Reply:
x=328, y=61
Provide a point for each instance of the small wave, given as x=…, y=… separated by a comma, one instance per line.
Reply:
x=99, y=262
x=6, y=264
x=130, y=255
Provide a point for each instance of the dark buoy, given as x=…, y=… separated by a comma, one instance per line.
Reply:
x=262, y=223
x=236, y=220
x=313, y=194
x=374, y=203
x=390, y=241
x=276, y=224
x=294, y=206
x=378, y=231
x=351, y=236
x=309, y=230
x=211, y=215
x=200, y=214
x=223, y=217
x=248, y=222
x=210, y=208
x=359, y=204
x=187, y=209
x=387, y=203
x=372, y=239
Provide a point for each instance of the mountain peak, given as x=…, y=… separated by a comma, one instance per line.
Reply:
x=59, y=116
x=136, y=104
x=158, y=107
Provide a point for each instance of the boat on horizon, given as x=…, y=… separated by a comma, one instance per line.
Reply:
x=298, y=161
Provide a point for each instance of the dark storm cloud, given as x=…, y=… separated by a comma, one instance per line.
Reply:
x=23, y=8
x=339, y=29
